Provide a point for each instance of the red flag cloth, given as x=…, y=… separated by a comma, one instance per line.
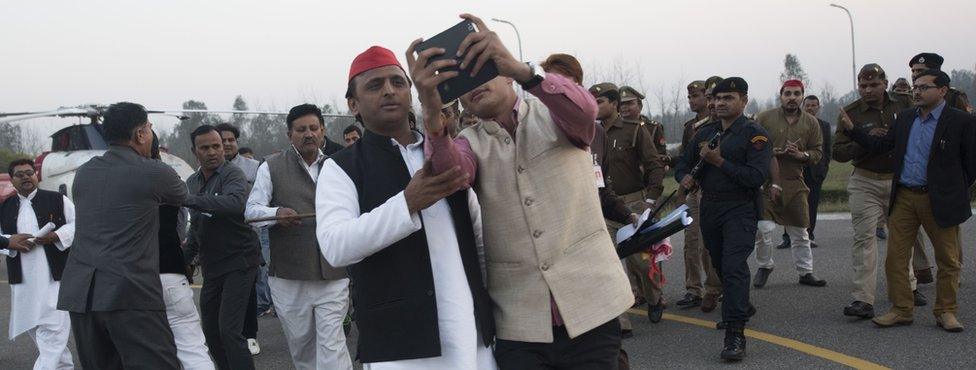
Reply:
x=372, y=58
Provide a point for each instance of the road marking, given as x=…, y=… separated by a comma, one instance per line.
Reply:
x=809, y=349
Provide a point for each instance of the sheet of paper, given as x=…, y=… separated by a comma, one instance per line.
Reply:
x=629, y=230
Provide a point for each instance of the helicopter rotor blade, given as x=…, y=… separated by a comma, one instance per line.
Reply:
x=66, y=112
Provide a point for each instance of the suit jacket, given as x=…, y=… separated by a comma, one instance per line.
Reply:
x=114, y=261
x=952, y=160
x=818, y=171
x=4, y=243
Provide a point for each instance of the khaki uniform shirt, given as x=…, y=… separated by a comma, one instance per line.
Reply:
x=791, y=208
x=632, y=159
x=866, y=117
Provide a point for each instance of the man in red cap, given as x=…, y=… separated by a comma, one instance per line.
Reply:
x=406, y=234
x=796, y=139
x=554, y=277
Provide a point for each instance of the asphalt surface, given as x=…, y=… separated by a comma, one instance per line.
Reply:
x=808, y=316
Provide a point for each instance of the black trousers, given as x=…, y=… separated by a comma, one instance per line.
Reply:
x=251, y=316
x=597, y=349
x=126, y=339
x=729, y=232
x=223, y=307
x=813, y=199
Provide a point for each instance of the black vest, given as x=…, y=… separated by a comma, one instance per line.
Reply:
x=49, y=207
x=393, y=290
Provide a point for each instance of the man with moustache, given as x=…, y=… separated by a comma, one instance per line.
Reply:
x=796, y=140
x=260, y=300
x=633, y=138
x=935, y=164
x=407, y=234
x=312, y=297
x=695, y=255
x=34, y=268
x=227, y=246
x=553, y=274
x=730, y=179
x=869, y=186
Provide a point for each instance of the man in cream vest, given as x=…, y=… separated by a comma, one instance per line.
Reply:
x=311, y=297
x=553, y=274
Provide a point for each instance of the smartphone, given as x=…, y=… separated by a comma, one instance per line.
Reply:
x=450, y=40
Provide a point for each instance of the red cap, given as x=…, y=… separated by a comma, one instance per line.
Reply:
x=794, y=83
x=372, y=58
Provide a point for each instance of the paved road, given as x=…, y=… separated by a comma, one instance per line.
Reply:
x=807, y=323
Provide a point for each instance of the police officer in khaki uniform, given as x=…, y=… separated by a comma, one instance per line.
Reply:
x=637, y=175
x=696, y=256
x=796, y=141
x=869, y=186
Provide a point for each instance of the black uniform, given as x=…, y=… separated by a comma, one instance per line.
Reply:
x=731, y=204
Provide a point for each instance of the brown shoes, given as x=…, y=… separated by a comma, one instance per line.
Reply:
x=948, y=321
x=709, y=303
x=891, y=319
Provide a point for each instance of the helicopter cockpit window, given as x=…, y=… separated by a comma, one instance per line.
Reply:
x=79, y=137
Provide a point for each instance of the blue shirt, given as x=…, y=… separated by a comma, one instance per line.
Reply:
x=915, y=170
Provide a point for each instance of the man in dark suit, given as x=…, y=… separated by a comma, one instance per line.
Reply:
x=110, y=284
x=935, y=164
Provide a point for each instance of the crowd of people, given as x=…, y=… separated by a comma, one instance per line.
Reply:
x=482, y=239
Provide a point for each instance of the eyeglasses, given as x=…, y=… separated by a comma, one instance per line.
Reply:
x=923, y=88
x=24, y=174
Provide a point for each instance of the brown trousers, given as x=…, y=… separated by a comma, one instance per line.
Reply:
x=911, y=210
x=696, y=256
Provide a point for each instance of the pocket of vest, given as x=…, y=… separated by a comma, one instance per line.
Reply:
x=586, y=239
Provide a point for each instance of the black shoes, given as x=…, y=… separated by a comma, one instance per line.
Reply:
x=735, y=343
x=809, y=279
x=919, y=298
x=762, y=274
x=859, y=309
x=813, y=244
x=785, y=244
x=881, y=233
x=654, y=312
x=689, y=301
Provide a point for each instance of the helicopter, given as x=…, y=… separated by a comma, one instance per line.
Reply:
x=75, y=145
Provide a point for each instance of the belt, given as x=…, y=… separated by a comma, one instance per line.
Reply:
x=873, y=175
x=727, y=196
x=915, y=189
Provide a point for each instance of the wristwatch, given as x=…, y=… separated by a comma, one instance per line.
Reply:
x=537, y=76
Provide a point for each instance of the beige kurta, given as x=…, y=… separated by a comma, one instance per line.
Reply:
x=791, y=209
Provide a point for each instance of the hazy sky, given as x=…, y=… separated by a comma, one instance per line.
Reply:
x=281, y=53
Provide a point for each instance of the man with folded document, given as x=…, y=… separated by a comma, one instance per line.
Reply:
x=730, y=175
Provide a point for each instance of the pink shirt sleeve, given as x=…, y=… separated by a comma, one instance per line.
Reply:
x=445, y=153
x=571, y=107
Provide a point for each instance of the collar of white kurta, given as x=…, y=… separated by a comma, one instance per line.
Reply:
x=416, y=135
x=29, y=197
x=318, y=159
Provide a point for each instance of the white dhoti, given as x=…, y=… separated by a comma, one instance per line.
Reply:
x=311, y=313
x=184, y=321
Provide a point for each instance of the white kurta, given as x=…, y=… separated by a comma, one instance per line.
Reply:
x=34, y=301
x=346, y=237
